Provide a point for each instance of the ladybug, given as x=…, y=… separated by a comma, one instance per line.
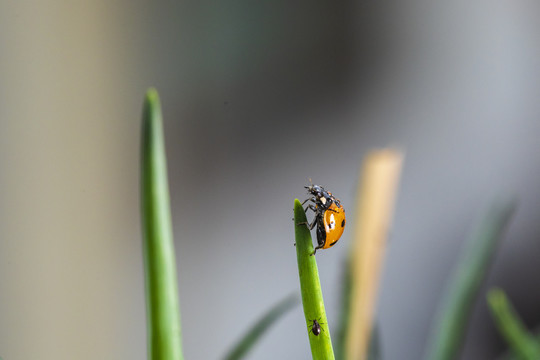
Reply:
x=315, y=327
x=329, y=216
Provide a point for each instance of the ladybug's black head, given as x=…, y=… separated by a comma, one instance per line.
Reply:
x=315, y=189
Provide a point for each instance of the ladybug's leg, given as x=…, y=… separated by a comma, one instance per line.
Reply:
x=311, y=206
x=315, y=220
x=314, y=209
x=320, y=246
x=321, y=238
x=309, y=199
x=312, y=225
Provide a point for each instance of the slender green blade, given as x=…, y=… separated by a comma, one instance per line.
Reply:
x=466, y=281
x=240, y=350
x=162, y=306
x=524, y=345
x=310, y=286
x=346, y=284
x=374, y=350
x=510, y=354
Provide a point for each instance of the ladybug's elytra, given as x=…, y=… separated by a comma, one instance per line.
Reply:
x=329, y=216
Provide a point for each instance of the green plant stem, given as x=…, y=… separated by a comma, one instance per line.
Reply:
x=240, y=350
x=310, y=286
x=467, y=278
x=523, y=344
x=162, y=306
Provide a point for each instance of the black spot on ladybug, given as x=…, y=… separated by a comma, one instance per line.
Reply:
x=342, y=223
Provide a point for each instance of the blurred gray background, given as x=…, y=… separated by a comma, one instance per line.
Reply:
x=257, y=97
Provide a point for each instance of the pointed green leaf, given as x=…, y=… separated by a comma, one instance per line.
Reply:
x=162, y=306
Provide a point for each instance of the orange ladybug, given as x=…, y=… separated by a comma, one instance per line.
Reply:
x=329, y=216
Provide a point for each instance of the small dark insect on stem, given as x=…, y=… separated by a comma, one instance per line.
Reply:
x=316, y=327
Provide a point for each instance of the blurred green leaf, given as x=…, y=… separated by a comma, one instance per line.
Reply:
x=467, y=278
x=374, y=350
x=510, y=354
x=254, y=334
x=344, y=312
x=524, y=345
